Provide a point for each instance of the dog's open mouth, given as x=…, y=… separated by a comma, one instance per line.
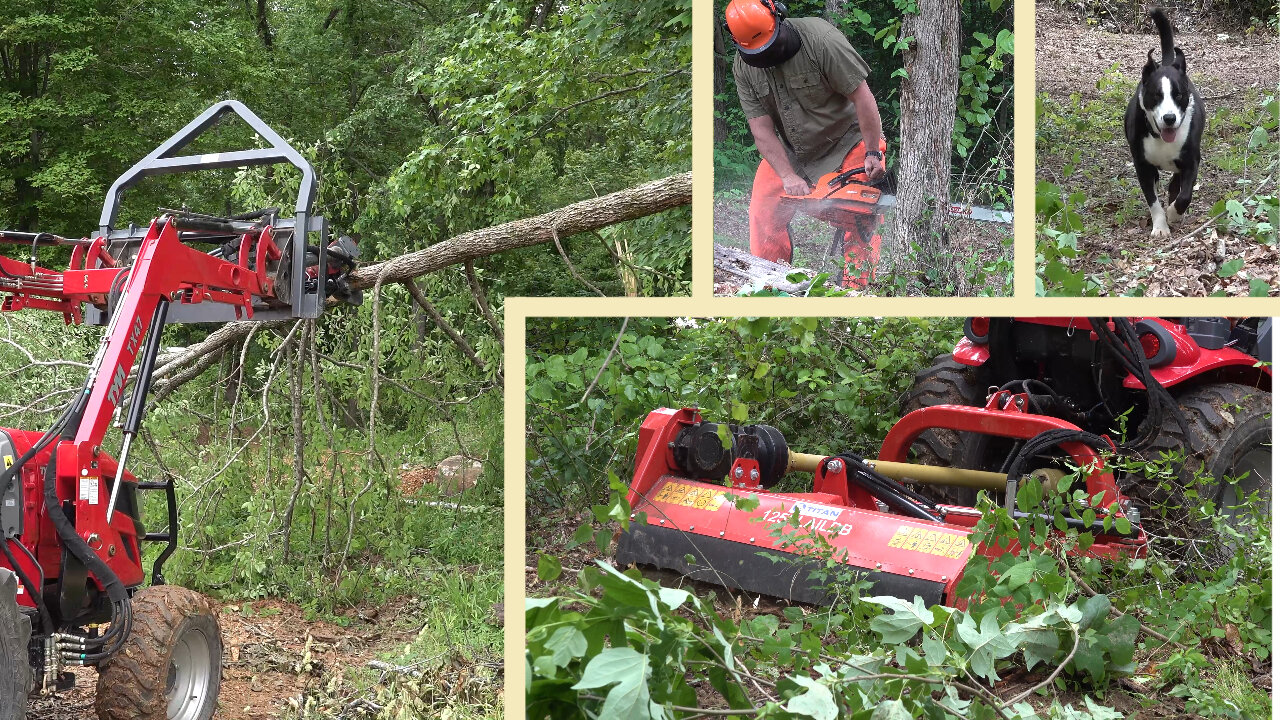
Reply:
x=1168, y=134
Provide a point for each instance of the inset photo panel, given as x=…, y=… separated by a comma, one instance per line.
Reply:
x=897, y=517
x=863, y=148
x=1156, y=149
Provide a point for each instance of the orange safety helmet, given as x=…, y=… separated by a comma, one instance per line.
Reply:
x=754, y=23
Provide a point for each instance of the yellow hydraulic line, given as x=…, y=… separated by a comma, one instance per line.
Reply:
x=926, y=474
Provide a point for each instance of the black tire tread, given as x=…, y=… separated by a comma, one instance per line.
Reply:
x=946, y=382
x=1212, y=412
x=131, y=684
x=15, y=634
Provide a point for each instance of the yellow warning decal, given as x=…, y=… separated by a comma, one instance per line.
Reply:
x=8, y=461
x=932, y=542
x=690, y=496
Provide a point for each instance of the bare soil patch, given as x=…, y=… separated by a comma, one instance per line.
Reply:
x=271, y=653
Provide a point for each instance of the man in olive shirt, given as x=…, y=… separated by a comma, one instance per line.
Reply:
x=804, y=91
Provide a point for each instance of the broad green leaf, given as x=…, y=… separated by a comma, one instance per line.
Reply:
x=815, y=702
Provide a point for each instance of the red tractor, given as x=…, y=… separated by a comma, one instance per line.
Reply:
x=72, y=533
x=1020, y=401
x=1201, y=387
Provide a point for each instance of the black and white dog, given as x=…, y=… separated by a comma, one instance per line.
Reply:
x=1164, y=123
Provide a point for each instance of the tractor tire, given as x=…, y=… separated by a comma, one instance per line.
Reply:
x=15, y=634
x=171, y=666
x=1230, y=429
x=946, y=382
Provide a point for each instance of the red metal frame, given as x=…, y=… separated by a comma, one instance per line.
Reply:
x=163, y=269
x=1005, y=415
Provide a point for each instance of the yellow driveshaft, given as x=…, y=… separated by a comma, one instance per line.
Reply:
x=926, y=474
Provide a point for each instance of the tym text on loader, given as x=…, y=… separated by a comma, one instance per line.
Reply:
x=73, y=589
x=692, y=476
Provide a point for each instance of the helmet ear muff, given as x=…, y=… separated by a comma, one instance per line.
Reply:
x=779, y=9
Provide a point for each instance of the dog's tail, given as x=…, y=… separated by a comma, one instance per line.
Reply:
x=1167, y=55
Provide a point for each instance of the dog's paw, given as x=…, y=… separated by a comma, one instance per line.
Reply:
x=1160, y=232
x=1173, y=216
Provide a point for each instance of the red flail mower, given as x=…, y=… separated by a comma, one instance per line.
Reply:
x=694, y=479
x=72, y=531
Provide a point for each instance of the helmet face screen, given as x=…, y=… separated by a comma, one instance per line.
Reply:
x=782, y=46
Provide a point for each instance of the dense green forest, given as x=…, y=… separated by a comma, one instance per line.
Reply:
x=308, y=454
x=1048, y=634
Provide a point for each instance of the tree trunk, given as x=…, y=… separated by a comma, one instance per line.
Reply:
x=264, y=28
x=720, y=78
x=832, y=10
x=927, y=119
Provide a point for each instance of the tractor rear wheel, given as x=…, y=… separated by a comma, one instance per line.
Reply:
x=1230, y=428
x=946, y=382
x=15, y=633
x=171, y=666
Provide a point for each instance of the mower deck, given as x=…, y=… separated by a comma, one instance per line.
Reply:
x=737, y=548
x=740, y=535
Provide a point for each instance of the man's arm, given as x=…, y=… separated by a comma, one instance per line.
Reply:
x=864, y=103
x=771, y=150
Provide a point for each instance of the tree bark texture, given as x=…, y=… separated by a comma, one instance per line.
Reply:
x=928, y=117
x=720, y=76
x=832, y=10
x=622, y=206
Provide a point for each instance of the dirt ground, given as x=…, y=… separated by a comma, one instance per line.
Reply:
x=264, y=643
x=1233, y=74
x=976, y=244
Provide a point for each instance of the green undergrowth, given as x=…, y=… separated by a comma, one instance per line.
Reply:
x=235, y=547
x=823, y=381
x=1071, y=627
x=452, y=667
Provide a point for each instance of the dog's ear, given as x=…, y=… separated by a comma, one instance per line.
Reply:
x=1179, y=60
x=1151, y=65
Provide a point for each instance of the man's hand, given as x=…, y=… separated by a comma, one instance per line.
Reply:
x=793, y=184
x=875, y=169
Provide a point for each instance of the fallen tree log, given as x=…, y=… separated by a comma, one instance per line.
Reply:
x=622, y=206
x=736, y=269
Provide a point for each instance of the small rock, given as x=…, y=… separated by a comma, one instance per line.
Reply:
x=457, y=474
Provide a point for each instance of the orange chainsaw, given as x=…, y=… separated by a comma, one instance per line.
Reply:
x=840, y=201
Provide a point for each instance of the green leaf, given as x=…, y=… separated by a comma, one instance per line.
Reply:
x=1018, y=575
x=548, y=567
x=1231, y=267
x=565, y=644
x=987, y=642
x=815, y=702
x=891, y=710
x=903, y=622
